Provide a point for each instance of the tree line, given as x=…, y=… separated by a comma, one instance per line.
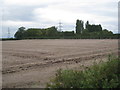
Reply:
x=88, y=32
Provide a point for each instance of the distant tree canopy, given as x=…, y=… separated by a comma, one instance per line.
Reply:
x=94, y=28
x=51, y=32
x=20, y=33
x=89, y=32
x=92, y=31
x=88, y=27
x=79, y=26
x=32, y=33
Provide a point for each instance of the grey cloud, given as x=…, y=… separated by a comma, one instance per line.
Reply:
x=102, y=9
x=18, y=13
x=24, y=13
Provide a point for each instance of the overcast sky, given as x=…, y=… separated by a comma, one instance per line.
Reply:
x=47, y=13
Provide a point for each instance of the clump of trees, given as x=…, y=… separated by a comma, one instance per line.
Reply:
x=46, y=33
x=88, y=32
x=93, y=31
x=36, y=33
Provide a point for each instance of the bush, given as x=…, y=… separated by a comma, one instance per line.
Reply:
x=103, y=75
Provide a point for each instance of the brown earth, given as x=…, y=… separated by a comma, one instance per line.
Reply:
x=32, y=63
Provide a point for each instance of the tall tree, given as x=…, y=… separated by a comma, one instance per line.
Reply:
x=87, y=25
x=99, y=27
x=79, y=26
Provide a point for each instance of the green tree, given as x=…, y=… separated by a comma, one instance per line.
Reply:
x=51, y=32
x=32, y=33
x=107, y=34
x=85, y=33
x=20, y=33
x=99, y=28
x=68, y=34
x=93, y=27
x=43, y=32
x=79, y=26
x=87, y=25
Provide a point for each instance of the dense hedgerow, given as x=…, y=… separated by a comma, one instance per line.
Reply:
x=103, y=75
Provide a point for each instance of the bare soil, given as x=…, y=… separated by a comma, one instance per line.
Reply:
x=32, y=63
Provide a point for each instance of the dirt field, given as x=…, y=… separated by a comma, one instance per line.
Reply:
x=32, y=63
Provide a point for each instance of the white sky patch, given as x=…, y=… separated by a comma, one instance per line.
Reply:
x=30, y=2
x=55, y=13
x=18, y=23
x=38, y=2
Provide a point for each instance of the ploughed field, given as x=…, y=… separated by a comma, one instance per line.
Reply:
x=32, y=63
